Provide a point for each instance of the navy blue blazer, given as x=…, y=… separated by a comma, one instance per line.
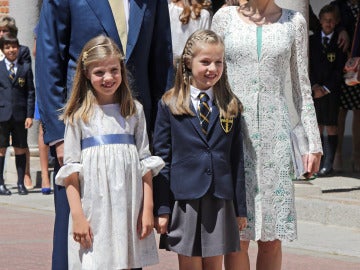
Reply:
x=64, y=28
x=326, y=65
x=196, y=164
x=17, y=97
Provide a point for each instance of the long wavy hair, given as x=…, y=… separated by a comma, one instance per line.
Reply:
x=178, y=99
x=83, y=96
x=192, y=9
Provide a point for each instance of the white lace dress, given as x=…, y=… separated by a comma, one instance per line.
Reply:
x=111, y=187
x=258, y=59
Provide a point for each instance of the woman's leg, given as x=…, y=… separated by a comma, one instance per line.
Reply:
x=43, y=153
x=27, y=176
x=238, y=260
x=189, y=263
x=212, y=263
x=269, y=255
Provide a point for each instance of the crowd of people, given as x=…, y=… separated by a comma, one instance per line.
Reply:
x=174, y=116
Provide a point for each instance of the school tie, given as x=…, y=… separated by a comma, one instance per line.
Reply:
x=204, y=111
x=117, y=7
x=325, y=42
x=12, y=71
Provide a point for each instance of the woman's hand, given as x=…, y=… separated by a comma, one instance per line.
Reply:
x=312, y=163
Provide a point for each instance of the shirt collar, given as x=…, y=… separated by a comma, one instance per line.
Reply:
x=194, y=92
x=329, y=35
x=7, y=62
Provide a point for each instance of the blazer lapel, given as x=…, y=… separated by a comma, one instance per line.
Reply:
x=104, y=14
x=136, y=16
x=19, y=71
x=213, y=117
x=196, y=124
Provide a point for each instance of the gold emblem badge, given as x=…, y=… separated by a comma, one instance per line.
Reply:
x=331, y=57
x=21, y=82
x=226, y=124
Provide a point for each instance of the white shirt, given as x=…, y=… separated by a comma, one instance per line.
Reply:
x=7, y=62
x=329, y=36
x=194, y=93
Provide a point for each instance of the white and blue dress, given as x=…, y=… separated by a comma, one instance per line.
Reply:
x=111, y=154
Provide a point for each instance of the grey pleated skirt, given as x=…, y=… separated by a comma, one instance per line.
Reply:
x=203, y=227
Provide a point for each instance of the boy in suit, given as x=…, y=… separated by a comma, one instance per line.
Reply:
x=326, y=64
x=17, y=101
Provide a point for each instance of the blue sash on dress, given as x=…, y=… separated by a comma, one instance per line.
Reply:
x=107, y=139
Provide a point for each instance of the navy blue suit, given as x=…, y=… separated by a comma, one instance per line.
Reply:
x=64, y=28
x=196, y=164
x=17, y=97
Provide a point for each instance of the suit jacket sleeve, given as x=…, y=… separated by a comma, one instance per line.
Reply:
x=24, y=54
x=51, y=66
x=162, y=148
x=160, y=66
x=238, y=172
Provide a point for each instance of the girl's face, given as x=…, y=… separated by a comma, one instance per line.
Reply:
x=207, y=65
x=105, y=77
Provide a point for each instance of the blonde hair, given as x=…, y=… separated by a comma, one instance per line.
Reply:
x=178, y=99
x=192, y=9
x=9, y=23
x=83, y=95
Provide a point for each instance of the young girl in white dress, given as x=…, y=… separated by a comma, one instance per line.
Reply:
x=108, y=167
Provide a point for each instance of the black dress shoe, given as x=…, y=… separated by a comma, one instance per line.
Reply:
x=4, y=190
x=325, y=172
x=22, y=189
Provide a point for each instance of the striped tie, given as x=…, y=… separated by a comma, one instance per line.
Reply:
x=204, y=111
x=12, y=71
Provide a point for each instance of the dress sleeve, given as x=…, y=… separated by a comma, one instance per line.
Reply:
x=72, y=153
x=303, y=101
x=219, y=22
x=147, y=161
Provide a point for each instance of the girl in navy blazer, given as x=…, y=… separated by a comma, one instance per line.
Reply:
x=201, y=186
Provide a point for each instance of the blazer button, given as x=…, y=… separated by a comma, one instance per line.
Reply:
x=208, y=171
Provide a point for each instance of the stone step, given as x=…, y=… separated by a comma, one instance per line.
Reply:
x=330, y=201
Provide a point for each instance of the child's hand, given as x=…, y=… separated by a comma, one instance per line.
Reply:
x=161, y=224
x=242, y=222
x=28, y=123
x=82, y=232
x=145, y=223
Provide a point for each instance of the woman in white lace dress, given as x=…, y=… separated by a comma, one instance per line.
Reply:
x=262, y=42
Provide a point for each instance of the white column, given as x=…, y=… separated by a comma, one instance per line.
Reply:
x=26, y=13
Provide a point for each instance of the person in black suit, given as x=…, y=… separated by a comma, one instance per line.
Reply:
x=17, y=101
x=326, y=64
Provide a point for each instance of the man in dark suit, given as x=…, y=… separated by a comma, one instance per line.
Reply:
x=17, y=102
x=64, y=28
